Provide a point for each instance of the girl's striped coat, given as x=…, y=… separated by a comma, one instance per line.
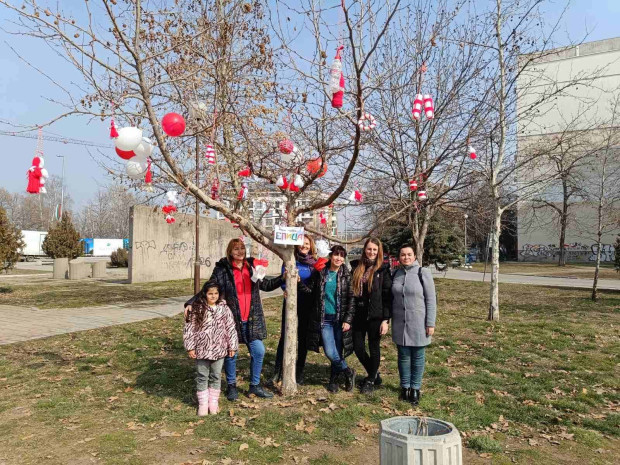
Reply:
x=215, y=336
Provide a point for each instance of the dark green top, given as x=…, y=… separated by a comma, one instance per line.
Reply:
x=331, y=286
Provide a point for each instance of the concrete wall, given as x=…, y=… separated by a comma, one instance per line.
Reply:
x=539, y=235
x=160, y=251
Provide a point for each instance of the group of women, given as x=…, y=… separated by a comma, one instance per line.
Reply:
x=337, y=309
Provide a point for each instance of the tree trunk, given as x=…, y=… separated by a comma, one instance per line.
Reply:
x=419, y=235
x=563, y=223
x=562, y=260
x=289, y=383
x=494, y=303
x=599, y=236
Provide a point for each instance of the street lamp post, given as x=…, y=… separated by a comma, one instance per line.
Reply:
x=466, y=249
x=197, y=112
x=62, y=188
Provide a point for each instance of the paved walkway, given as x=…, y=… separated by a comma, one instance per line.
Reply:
x=23, y=324
x=463, y=275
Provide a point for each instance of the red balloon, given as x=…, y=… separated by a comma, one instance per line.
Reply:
x=315, y=165
x=173, y=124
x=125, y=154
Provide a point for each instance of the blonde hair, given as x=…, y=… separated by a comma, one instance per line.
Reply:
x=358, y=274
x=231, y=245
x=312, y=251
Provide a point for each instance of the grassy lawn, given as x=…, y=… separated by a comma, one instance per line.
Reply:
x=22, y=271
x=541, y=386
x=550, y=269
x=48, y=293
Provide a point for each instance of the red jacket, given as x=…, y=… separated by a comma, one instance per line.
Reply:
x=244, y=289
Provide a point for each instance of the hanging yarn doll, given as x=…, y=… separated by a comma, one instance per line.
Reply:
x=322, y=217
x=297, y=184
x=322, y=249
x=356, y=196
x=336, y=80
x=148, y=177
x=36, y=176
x=259, y=270
x=413, y=184
x=171, y=207
x=422, y=102
x=472, y=152
x=113, y=131
x=243, y=192
x=215, y=190
x=282, y=183
x=210, y=154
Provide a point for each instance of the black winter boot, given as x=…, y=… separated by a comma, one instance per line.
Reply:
x=332, y=386
x=405, y=394
x=258, y=391
x=231, y=392
x=367, y=386
x=349, y=381
x=378, y=380
x=415, y=396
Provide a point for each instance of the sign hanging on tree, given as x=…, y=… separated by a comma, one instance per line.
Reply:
x=288, y=235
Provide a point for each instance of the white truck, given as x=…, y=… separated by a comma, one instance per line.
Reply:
x=33, y=247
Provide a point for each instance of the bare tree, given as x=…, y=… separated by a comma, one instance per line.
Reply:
x=259, y=87
x=434, y=51
x=520, y=94
x=106, y=215
x=602, y=186
x=37, y=211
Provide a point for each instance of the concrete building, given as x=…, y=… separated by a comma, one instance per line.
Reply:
x=581, y=119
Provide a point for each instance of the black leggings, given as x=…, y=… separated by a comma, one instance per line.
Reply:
x=370, y=362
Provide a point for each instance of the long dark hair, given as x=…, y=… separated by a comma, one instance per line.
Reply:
x=199, y=307
x=364, y=263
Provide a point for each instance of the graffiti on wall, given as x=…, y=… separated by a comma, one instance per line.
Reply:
x=574, y=252
x=172, y=255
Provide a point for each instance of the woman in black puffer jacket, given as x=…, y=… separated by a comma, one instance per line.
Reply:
x=372, y=287
x=331, y=315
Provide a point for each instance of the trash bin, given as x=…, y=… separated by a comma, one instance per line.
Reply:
x=419, y=441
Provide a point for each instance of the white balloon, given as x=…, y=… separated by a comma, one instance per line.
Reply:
x=128, y=138
x=136, y=168
x=144, y=148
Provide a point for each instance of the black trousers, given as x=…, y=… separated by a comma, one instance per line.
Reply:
x=360, y=330
x=302, y=349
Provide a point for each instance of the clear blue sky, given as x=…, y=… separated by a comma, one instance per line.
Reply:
x=23, y=93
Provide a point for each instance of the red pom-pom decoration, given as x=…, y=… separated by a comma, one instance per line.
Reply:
x=173, y=124
x=286, y=146
x=314, y=166
x=244, y=173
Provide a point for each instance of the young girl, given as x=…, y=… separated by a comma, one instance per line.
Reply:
x=209, y=336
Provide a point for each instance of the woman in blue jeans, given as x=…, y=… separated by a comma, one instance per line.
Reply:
x=414, y=308
x=233, y=274
x=331, y=316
